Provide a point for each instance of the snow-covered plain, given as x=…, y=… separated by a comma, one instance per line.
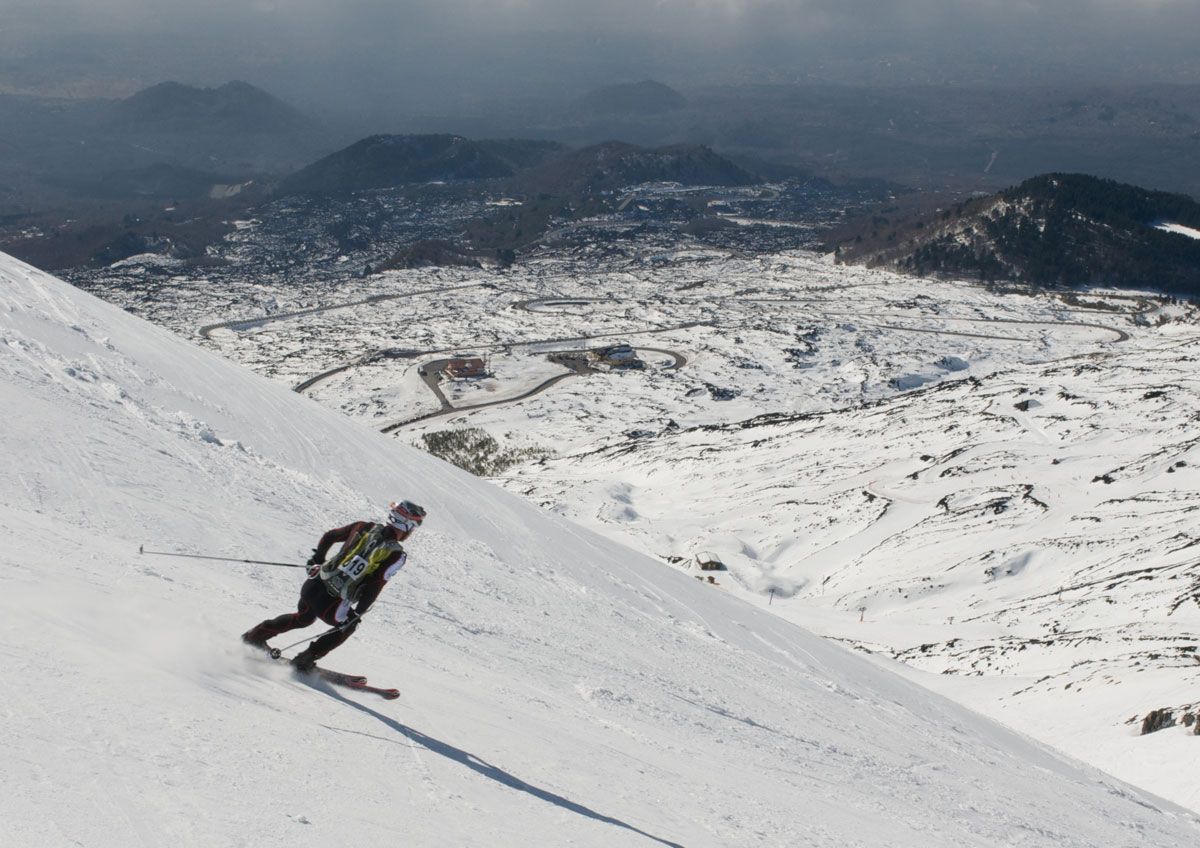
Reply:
x=780, y=332
x=557, y=687
x=1026, y=534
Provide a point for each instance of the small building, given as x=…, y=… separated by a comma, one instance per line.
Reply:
x=617, y=353
x=465, y=368
x=708, y=561
x=618, y=356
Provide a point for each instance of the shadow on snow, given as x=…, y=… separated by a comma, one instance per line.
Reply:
x=477, y=765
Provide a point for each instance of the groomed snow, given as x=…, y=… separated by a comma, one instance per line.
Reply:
x=558, y=688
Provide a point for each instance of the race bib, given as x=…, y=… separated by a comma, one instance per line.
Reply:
x=342, y=580
x=353, y=567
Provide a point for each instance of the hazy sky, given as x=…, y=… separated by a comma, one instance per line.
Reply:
x=459, y=53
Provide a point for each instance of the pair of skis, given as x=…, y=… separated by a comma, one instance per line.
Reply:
x=356, y=682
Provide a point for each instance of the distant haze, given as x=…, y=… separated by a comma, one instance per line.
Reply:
x=456, y=55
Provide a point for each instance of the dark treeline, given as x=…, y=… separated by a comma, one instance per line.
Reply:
x=1052, y=230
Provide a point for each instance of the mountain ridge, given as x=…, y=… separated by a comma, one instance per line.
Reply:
x=386, y=161
x=235, y=106
x=614, y=165
x=1051, y=230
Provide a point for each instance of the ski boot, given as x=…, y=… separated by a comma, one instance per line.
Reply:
x=305, y=661
x=255, y=638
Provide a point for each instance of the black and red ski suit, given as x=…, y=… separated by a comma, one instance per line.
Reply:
x=318, y=600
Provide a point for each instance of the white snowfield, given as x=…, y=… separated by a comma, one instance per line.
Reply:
x=1180, y=229
x=558, y=688
x=1026, y=538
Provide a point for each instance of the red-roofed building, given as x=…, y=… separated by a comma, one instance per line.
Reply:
x=465, y=368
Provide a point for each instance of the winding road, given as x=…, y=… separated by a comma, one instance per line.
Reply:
x=246, y=323
x=430, y=370
x=577, y=366
x=417, y=354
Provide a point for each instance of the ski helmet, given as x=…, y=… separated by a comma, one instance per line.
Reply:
x=405, y=516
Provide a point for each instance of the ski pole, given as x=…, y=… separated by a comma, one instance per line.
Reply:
x=276, y=653
x=142, y=550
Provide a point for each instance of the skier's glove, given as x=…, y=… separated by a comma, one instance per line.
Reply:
x=317, y=558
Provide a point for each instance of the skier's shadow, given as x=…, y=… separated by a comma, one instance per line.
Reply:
x=482, y=767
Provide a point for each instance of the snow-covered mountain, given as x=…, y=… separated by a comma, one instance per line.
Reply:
x=788, y=429
x=557, y=687
x=1033, y=529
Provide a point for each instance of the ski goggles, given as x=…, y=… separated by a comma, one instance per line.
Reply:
x=407, y=525
x=405, y=516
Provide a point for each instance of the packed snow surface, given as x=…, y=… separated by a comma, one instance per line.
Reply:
x=558, y=688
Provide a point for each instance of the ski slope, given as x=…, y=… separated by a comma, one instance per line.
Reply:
x=558, y=688
x=1025, y=538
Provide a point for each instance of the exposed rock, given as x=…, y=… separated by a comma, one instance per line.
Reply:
x=1158, y=719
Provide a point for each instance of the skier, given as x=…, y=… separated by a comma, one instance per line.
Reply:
x=370, y=555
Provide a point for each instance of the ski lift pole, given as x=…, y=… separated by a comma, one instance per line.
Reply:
x=142, y=550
